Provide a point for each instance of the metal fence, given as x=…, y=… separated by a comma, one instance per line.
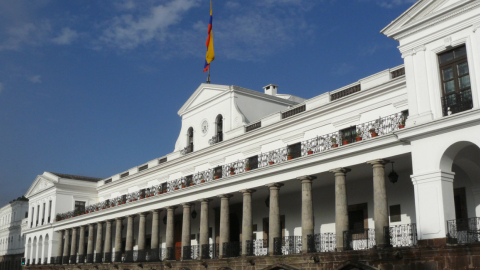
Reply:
x=401, y=235
x=463, y=231
x=359, y=240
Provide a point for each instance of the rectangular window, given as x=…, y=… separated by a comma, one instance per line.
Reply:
x=395, y=213
x=252, y=163
x=44, y=210
x=294, y=151
x=144, y=167
x=349, y=135
x=357, y=217
x=49, y=210
x=108, y=181
x=455, y=79
x=217, y=172
x=189, y=180
x=125, y=174
x=79, y=206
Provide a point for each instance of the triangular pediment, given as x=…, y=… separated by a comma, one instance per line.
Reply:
x=204, y=93
x=423, y=12
x=41, y=183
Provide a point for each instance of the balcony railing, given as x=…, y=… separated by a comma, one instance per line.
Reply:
x=216, y=139
x=364, y=131
x=457, y=102
x=190, y=253
x=401, y=235
x=463, y=231
x=231, y=249
x=359, y=240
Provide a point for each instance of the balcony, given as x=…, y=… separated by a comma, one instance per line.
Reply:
x=457, y=102
x=463, y=231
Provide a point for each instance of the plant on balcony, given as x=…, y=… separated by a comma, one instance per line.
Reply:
x=373, y=133
x=359, y=135
x=58, y=217
x=232, y=170
x=402, y=124
x=334, y=142
x=247, y=166
x=344, y=140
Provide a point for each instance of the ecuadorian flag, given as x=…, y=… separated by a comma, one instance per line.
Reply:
x=210, y=53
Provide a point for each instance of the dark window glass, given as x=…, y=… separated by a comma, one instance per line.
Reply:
x=349, y=134
x=252, y=163
x=217, y=172
x=190, y=140
x=144, y=167
x=79, y=206
x=295, y=150
x=455, y=76
x=395, y=213
x=219, y=123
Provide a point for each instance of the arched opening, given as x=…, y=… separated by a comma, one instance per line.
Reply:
x=190, y=140
x=40, y=250
x=461, y=158
x=28, y=250
x=219, y=127
x=280, y=267
x=34, y=250
x=45, y=248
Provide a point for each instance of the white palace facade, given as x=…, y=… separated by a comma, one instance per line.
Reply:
x=381, y=173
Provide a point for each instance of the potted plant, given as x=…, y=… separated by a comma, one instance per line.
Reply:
x=289, y=156
x=344, y=140
x=402, y=124
x=165, y=191
x=359, y=135
x=202, y=180
x=373, y=133
x=232, y=171
x=217, y=176
x=183, y=184
x=271, y=162
x=247, y=166
x=310, y=151
x=334, y=142
x=176, y=188
x=58, y=217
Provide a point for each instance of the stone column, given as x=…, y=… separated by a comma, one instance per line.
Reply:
x=186, y=229
x=224, y=221
x=66, y=246
x=170, y=232
x=108, y=241
x=341, y=205
x=129, y=243
x=308, y=224
x=247, y=222
x=274, y=227
x=90, y=243
x=141, y=230
x=73, y=249
x=59, y=247
x=204, y=227
x=155, y=234
x=380, y=204
x=141, y=236
x=81, y=246
x=118, y=239
x=98, y=246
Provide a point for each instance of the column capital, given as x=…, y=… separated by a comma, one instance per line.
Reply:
x=340, y=170
x=307, y=177
x=225, y=196
x=275, y=185
x=171, y=207
x=187, y=204
x=157, y=210
x=120, y=218
x=381, y=162
x=205, y=200
x=143, y=213
x=250, y=190
x=109, y=220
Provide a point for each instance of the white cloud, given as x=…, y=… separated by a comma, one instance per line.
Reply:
x=25, y=34
x=394, y=3
x=35, y=79
x=66, y=37
x=128, y=31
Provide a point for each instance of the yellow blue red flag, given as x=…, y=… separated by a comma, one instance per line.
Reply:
x=210, y=53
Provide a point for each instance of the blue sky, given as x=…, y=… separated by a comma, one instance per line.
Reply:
x=93, y=87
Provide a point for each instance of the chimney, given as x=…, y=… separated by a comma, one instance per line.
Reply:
x=271, y=89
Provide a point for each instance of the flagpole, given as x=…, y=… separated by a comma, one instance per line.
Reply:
x=208, y=78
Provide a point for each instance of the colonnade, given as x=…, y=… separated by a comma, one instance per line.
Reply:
x=68, y=251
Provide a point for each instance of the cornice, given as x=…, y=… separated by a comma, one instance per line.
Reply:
x=434, y=19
